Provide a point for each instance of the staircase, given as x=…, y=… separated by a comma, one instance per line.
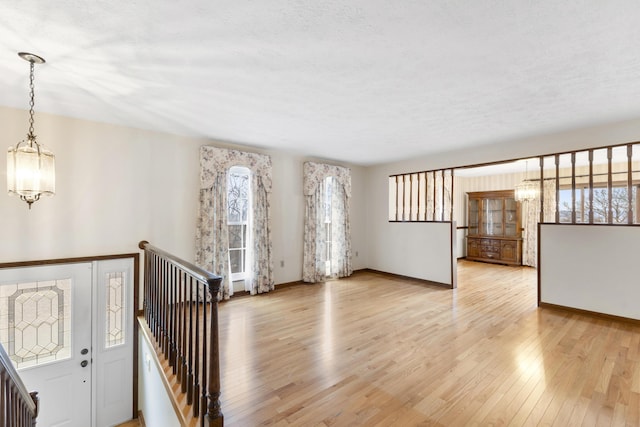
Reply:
x=181, y=325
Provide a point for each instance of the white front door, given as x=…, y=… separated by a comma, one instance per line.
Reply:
x=68, y=328
x=45, y=325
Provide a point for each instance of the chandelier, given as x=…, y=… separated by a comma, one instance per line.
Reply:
x=526, y=190
x=30, y=166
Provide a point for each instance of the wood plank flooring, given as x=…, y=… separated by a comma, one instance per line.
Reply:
x=378, y=351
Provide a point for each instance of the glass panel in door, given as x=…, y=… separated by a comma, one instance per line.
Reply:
x=492, y=217
x=511, y=217
x=473, y=217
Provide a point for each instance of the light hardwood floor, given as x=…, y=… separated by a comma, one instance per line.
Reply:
x=378, y=351
x=132, y=423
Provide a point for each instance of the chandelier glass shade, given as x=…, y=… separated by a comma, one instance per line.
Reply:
x=30, y=165
x=526, y=190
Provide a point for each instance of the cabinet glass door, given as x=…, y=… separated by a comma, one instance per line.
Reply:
x=511, y=217
x=492, y=217
x=473, y=217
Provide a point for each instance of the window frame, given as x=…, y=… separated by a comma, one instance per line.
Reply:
x=244, y=223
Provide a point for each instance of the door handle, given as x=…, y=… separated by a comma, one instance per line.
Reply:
x=84, y=363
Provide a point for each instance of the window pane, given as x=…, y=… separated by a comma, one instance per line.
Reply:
x=600, y=205
x=600, y=180
x=582, y=187
x=236, y=260
x=238, y=194
x=238, y=203
x=566, y=195
x=634, y=204
x=620, y=192
x=236, y=236
x=565, y=204
x=619, y=205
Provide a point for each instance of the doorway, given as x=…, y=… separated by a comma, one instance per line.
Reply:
x=68, y=328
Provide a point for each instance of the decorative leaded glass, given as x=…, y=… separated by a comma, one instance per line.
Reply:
x=115, y=306
x=35, y=326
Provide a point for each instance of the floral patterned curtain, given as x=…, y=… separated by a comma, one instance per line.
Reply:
x=315, y=253
x=212, y=236
x=530, y=220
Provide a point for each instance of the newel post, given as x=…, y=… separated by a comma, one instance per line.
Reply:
x=214, y=417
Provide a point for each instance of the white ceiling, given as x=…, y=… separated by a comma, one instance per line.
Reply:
x=364, y=81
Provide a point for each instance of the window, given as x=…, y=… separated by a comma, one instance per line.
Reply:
x=619, y=211
x=328, y=183
x=238, y=220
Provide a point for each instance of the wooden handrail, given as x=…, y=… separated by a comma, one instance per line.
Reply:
x=18, y=407
x=181, y=308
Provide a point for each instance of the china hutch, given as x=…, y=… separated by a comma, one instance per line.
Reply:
x=494, y=228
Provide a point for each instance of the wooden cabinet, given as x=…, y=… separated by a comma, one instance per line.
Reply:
x=494, y=230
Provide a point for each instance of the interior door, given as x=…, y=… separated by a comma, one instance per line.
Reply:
x=45, y=325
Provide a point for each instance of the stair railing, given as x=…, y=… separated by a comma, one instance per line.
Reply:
x=181, y=309
x=18, y=407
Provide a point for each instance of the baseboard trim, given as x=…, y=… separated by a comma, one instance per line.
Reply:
x=283, y=286
x=289, y=284
x=279, y=287
x=589, y=313
x=407, y=278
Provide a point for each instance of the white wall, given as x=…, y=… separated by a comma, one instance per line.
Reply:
x=419, y=250
x=102, y=183
x=591, y=268
x=153, y=399
x=116, y=186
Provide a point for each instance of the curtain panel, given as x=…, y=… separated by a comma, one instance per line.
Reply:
x=530, y=220
x=212, y=236
x=315, y=251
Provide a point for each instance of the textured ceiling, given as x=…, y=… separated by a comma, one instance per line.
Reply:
x=364, y=81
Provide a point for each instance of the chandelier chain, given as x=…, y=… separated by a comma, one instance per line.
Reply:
x=30, y=135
